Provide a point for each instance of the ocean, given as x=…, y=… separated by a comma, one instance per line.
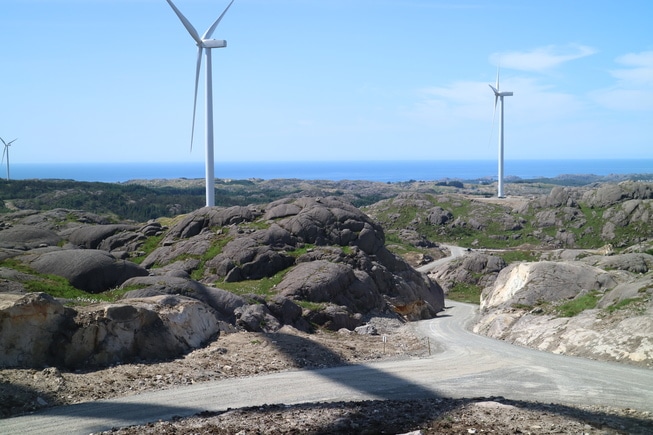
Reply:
x=384, y=171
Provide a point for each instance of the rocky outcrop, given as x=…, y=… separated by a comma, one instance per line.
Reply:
x=475, y=268
x=160, y=327
x=29, y=325
x=332, y=252
x=223, y=302
x=37, y=330
x=614, y=318
x=90, y=270
x=323, y=281
x=529, y=284
x=25, y=237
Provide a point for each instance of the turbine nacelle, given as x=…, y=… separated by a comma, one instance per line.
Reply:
x=500, y=94
x=213, y=43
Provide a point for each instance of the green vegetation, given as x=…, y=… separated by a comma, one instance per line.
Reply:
x=515, y=256
x=262, y=287
x=59, y=287
x=463, y=292
x=148, y=247
x=312, y=306
x=622, y=304
x=579, y=304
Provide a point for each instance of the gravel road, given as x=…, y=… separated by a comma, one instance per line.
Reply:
x=462, y=365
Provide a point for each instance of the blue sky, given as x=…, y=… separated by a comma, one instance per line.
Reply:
x=112, y=80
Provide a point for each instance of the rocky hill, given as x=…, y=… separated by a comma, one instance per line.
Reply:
x=567, y=272
x=305, y=263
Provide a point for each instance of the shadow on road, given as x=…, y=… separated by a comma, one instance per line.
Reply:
x=411, y=405
x=374, y=399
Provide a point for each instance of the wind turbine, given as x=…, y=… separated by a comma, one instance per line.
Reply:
x=205, y=44
x=498, y=96
x=6, y=151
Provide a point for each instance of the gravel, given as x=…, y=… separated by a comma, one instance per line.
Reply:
x=248, y=354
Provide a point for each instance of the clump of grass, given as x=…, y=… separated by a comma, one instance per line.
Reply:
x=622, y=304
x=262, y=287
x=579, y=304
x=312, y=306
x=515, y=256
x=463, y=292
x=147, y=247
x=59, y=287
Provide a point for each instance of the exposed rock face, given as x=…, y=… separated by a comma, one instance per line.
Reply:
x=323, y=281
x=515, y=307
x=36, y=330
x=159, y=327
x=25, y=237
x=565, y=218
x=28, y=324
x=475, y=268
x=531, y=283
x=223, y=302
x=89, y=270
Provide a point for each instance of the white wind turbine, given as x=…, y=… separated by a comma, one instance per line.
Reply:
x=6, y=151
x=498, y=96
x=205, y=43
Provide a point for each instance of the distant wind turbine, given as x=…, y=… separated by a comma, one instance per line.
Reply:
x=203, y=43
x=498, y=96
x=6, y=152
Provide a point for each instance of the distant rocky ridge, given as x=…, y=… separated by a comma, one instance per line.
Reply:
x=333, y=256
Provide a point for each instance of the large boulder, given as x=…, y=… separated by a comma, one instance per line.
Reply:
x=89, y=270
x=323, y=281
x=147, y=329
x=330, y=221
x=475, y=268
x=37, y=331
x=528, y=284
x=90, y=236
x=29, y=325
x=208, y=217
x=25, y=237
x=223, y=302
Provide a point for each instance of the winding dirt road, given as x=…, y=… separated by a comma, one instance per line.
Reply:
x=462, y=365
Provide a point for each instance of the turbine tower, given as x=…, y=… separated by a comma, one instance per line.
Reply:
x=498, y=96
x=205, y=43
x=6, y=151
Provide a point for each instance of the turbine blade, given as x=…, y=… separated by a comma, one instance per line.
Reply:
x=211, y=29
x=3, y=141
x=186, y=23
x=12, y=141
x=197, y=81
x=3, y=155
x=498, y=68
x=495, y=90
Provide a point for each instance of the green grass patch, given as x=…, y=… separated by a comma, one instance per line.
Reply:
x=262, y=287
x=516, y=256
x=622, y=304
x=298, y=252
x=463, y=292
x=59, y=287
x=579, y=304
x=312, y=306
x=150, y=244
